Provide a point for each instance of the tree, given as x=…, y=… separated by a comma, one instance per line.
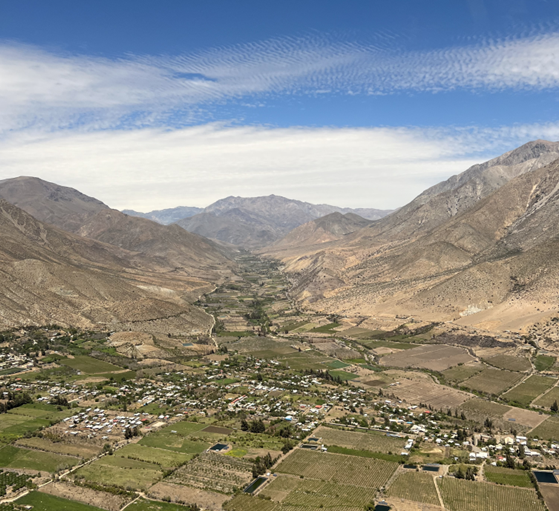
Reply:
x=555, y=407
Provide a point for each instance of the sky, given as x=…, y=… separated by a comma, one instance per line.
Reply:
x=150, y=105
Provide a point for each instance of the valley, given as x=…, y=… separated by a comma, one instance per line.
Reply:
x=276, y=408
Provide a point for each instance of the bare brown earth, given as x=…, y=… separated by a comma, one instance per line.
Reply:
x=96, y=498
x=205, y=499
x=434, y=357
x=550, y=494
x=408, y=505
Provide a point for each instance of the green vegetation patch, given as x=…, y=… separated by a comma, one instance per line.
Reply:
x=462, y=372
x=161, y=457
x=509, y=476
x=416, y=486
x=343, y=375
x=462, y=495
x=336, y=364
x=530, y=389
x=237, y=452
x=125, y=473
x=176, y=438
x=14, y=457
x=326, y=329
x=509, y=362
x=244, y=502
x=493, y=381
x=547, y=430
x=550, y=398
x=335, y=449
x=46, y=502
x=481, y=407
x=89, y=365
x=337, y=468
x=372, y=441
x=544, y=362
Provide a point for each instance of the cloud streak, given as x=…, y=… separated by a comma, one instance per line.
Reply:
x=55, y=90
x=155, y=168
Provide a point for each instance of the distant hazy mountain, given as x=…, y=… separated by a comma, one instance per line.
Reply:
x=259, y=221
x=478, y=248
x=166, y=216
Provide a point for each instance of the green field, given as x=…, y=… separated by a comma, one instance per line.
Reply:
x=343, y=375
x=163, y=457
x=122, y=472
x=416, y=486
x=45, y=502
x=243, y=502
x=14, y=457
x=337, y=468
x=547, y=430
x=547, y=400
x=336, y=364
x=179, y=441
x=492, y=381
x=370, y=441
x=460, y=373
x=326, y=329
x=89, y=365
x=544, y=362
x=509, y=362
x=481, y=408
x=81, y=450
x=511, y=477
x=530, y=389
x=462, y=495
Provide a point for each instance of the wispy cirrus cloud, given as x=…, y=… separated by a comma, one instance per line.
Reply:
x=54, y=90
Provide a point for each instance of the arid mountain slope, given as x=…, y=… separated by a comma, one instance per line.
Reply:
x=489, y=263
x=48, y=202
x=328, y=228
x=51, y=276
x=259, y=221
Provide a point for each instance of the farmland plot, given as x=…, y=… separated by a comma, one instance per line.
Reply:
x=511, y=477
x=547, y=400
x=510, y=362
x=13, y=457
x=338, y=468
x=462, y=495
x=435, y=357
x=493, y=381
x=527, y=391
x=547, y=430
x=416, y=486
x=460, y=373
x=45, y=502
x=370, y=441
x=211, y=471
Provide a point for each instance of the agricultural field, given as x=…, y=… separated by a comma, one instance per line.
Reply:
x=13, y=481
x=244, y=502
x=14, y=457
x=544, y=362
x=150, y=505
x=479, y=408
x=508, y=476
x=125, y=473
x=434, y=357
x=370, y=441
x=214, y=472
x=89, y=365
x=338, y=468
x=529, y=390
x=45, y=502
x=416, y=486
x=460, y=373
x=343, y=375
x=493, y=381
x=510, y=362
x=177, y=438
x=547, y=430
x=462, y=495
x=163, y=457
x=547, y=400
x=336, y=364
x=430, y=393
x=81, y=450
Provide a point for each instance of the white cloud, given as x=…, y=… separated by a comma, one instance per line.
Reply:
x=53, y=90
x=157, y=168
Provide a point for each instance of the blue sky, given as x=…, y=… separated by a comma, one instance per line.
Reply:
x=149, y=105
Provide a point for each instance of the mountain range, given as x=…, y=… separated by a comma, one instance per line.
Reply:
x=252, y=221
x=476, y=249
